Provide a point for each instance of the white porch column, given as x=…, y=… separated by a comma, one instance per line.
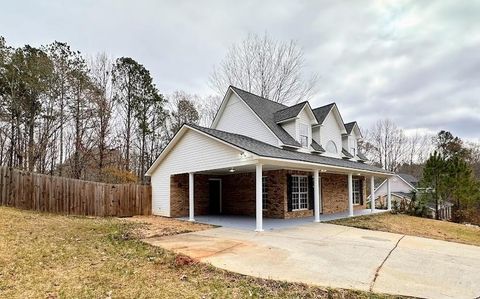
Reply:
x=350, y=195
x=389, y=195
x=191, y=186
x=316, y=195
x=258, y=199
x=372, y=193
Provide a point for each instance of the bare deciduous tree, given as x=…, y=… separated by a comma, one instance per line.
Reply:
x=264, y=66
x=386, y=144
x=101, y=75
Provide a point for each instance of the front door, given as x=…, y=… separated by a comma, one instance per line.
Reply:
x=215, y=196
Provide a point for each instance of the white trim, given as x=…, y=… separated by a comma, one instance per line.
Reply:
x=220, y=203
x=312, y=115
x=221, y=108
x=287, y=120
x=339, y=119
x=323, y=165
x=359, y=191
x=298, y=192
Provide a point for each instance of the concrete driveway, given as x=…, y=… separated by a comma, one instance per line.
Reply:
x=337, y=256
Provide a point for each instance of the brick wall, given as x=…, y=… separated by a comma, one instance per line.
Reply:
x=335, y=193
x=238, y=194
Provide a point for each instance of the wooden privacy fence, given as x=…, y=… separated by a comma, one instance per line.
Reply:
x=32, y=191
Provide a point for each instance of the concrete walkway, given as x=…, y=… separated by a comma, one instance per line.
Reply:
x=248, y=223
x=337, y=256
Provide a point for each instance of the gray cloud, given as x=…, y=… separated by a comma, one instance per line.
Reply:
x=416, y=62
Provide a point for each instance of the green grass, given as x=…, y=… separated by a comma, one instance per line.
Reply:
x=51, y=256
x=416, y=226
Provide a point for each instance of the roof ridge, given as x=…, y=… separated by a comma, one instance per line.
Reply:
x=259, y=96
x=332, y=103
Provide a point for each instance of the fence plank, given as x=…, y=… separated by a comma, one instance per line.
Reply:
x=52, y=194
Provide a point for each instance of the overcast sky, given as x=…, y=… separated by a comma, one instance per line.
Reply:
x=415, y=62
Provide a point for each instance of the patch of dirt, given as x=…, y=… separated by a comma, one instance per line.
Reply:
x=158, y=226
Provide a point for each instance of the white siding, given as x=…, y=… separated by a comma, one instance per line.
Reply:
x=291, y=128
x=238, y=118
x=193, y=152
x=345, y=142
x=316, y=135
x=331, y=130
x=396, y=185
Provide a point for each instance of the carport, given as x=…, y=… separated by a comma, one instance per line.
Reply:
x=248, y=222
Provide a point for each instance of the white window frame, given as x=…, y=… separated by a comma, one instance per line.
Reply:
x=264, y=192
x=297, y=195
x=357, y=193
x=303, y=136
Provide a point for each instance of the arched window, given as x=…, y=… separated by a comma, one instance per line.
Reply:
x=331, y=147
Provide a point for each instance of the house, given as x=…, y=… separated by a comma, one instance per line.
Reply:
x=263, y=159
x=403, y=188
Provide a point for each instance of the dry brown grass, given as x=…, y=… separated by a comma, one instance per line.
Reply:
x=416, y=226
x=51, y=256
x=157, y=226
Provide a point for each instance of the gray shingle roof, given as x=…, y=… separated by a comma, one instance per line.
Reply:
x=289, y=112
x=265, y=109
x=266, y=150
x=322, y=112
x=409, y=178
x=317, y=147
x=346, y=153
x=362, y=156
x=349, y=126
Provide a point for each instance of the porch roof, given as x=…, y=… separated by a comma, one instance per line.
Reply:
x=269, y=151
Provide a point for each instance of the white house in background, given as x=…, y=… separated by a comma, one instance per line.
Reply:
x=403, y=187
x=264, y=159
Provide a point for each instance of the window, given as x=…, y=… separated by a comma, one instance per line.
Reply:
x=331, y=147
x=357, y=191
x=264, y=192
x=299, y=192
x=303, y=134
x=353, y=152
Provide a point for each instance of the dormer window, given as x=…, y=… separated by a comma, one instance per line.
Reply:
x=331, y=147
x=303, y=134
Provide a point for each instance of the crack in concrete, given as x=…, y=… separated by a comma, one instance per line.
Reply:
x=377, y=272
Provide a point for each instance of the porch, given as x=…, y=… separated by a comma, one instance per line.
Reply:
x=270, y=196
x=249, y=222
